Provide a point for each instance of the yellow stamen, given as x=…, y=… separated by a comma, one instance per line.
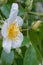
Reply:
x=13, y=31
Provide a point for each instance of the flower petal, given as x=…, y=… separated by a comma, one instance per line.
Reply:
x=4, y=30
x=17, y=43
x=19, y=20
x=7, y=45
x=14, y=12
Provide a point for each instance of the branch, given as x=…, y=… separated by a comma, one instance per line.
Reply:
x=36, y=13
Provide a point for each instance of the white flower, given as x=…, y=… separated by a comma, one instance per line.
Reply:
x=12, y=37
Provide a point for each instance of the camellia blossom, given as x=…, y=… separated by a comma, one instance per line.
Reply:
x=12, y=37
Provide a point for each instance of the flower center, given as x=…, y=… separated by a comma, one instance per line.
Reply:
x=13, y=31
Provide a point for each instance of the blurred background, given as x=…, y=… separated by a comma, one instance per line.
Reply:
x=31, y=50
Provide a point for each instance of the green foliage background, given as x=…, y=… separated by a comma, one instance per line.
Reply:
x=32, y=46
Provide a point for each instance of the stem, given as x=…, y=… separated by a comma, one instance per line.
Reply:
x=25, y=29
x=36, y=13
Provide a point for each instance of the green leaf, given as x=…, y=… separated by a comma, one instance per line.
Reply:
x=41, y=36
x=0, y=46
x=39, y=55
x=34, y=37
x=7, y=59
x=21, y=11
x=41, y=31
x=25, y=41
x=5, y=9
x=36, y=42
x=14, y=63
x=0, y=42
x=30, y=57
x=19, y=61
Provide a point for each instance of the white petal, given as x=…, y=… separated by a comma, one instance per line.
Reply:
x=7, y=45
x=17, y=43
x=4, y=30
x=19, y=20
x=14, y=12
x=15, y=5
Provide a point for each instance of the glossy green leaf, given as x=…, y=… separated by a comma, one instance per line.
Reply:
x=14, y=63
x=7, y=59
x=34, y=37
x=25, y=41
x=41, y=36
x=30, y=57
x=21, y=11
x=36, y=42
x=41, y=31
x=19, y=61
x=0, y=42
x=5, y=9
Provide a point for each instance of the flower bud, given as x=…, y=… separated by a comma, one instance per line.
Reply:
x=36, y=25
x=28, y=4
